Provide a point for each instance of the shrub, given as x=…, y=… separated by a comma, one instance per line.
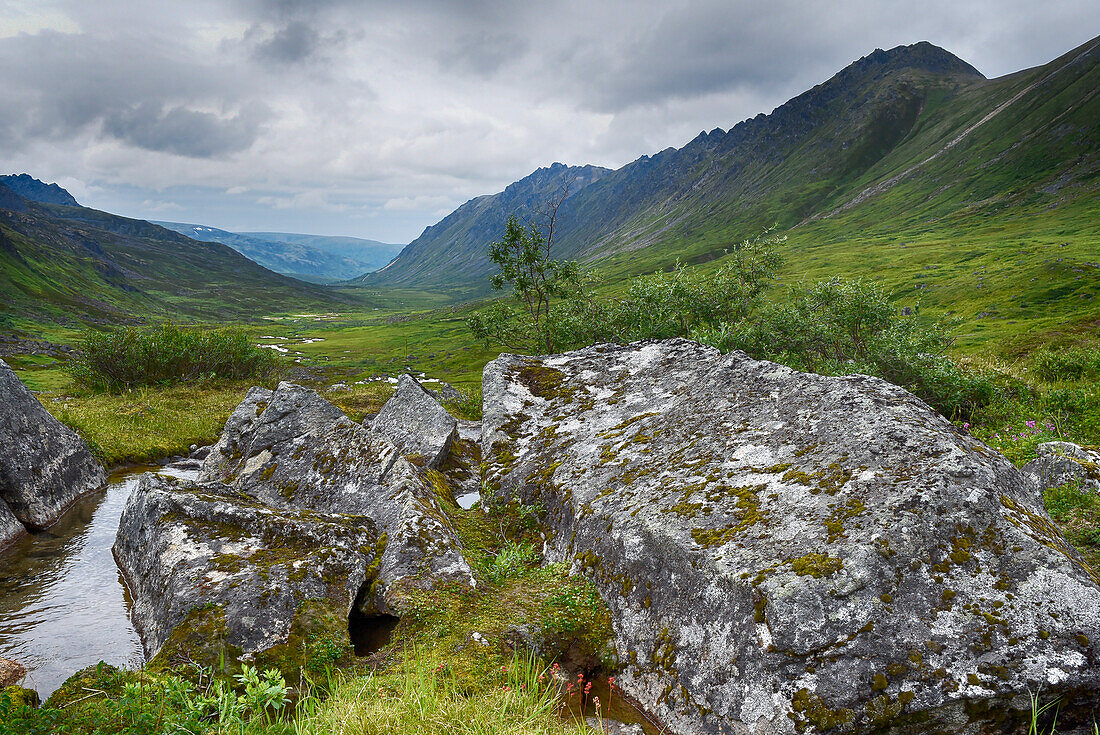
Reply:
x=849, y=326
x=1075, y=363
x=131, y=357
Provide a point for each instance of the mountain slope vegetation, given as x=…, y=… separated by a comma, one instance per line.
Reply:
x=907, y=165
x=72, y=264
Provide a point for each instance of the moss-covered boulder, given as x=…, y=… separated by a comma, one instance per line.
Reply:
x=291, y=449
x=785, y=553
x=215, y=574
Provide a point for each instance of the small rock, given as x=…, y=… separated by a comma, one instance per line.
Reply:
x=613, y=727
x=1060, y=463
x=192, y=449
x=479, y=639
x=11, y=672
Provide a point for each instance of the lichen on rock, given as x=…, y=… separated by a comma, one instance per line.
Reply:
x=785, y=552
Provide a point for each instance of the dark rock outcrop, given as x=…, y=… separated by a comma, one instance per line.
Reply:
x=414, y=421
x=784, y=552
x=204, y=553
x=1060, y=463
x=44, y=465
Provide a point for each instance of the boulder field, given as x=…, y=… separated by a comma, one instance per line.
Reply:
x=44, y=465
x=780, y=552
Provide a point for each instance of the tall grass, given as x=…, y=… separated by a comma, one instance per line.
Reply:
x=165, y=354
x=422, y=697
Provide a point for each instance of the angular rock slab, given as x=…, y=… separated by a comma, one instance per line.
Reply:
x=291, y=449
x=414, y=421
x=785, y=552
x=1060, y=463
x=44, y=465
x=182, y=546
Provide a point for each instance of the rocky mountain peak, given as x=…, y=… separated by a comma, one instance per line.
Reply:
x=31, y=188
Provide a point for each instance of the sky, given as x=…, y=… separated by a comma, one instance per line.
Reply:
x=376, y=119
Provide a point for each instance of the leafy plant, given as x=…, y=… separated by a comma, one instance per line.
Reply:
x=132, y=357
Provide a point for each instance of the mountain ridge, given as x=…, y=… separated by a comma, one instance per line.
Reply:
x=787, y=168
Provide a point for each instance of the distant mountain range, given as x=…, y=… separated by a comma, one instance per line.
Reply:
x=315, y=258
x=905, y=141
x=69, y=264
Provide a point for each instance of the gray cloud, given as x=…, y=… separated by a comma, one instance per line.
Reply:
x=364, y=102
x=186, y=132
x=292, y=43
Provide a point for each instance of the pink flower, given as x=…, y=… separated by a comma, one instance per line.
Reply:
x=966, y=426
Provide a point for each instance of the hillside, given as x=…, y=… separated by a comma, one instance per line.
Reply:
x=906, y=144
x=316, y=258
x=452, y=253
x=71, y=265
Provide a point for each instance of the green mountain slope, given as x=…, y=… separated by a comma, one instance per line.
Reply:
x=905, y=146
x=71, y=264
x=451, y=254
x=315, y=258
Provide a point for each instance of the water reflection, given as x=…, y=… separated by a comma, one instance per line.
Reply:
x=62, y=601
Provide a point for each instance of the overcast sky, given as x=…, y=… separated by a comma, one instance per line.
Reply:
x=375, y=119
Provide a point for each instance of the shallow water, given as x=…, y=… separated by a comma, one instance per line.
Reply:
x=63, y=605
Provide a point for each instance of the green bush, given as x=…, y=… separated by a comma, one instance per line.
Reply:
x=1075, y=363
x=132, y=357
x=839, y=326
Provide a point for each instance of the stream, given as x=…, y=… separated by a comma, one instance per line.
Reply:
x=63, y=605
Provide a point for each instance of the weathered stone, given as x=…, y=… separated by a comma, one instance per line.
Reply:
x=11, y=672
x=196, y=552
x=1060, y=463
x=11, y=530
x=44, y=465
x=414, y=421
x=784, y=552
x=300, y=452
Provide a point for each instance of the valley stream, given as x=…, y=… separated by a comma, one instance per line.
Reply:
x=63, y=604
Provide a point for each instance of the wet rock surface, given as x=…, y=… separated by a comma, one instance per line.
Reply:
x=11, y=672
x=415, y=422
x=188, y=547
x=44, y=465
x=785, y=552
x=1060, y=463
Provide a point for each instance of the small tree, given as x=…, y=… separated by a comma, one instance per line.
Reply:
x=523, y=256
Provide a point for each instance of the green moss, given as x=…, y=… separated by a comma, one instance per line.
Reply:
x=746, y=512
x=816, y=565
x=268, y=471
x=810, y=710
x=545, y=382
x=201, y=638
x=834, y=524
x=879, y=683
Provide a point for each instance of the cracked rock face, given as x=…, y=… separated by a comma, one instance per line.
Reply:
x=291, y=449
x=785, y=552
x=44, y=465
x=1060, y=463
x=414, y=421
x=182, y=545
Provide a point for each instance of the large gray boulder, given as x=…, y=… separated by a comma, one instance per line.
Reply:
x=44, y=465
x=414, y=421
x=294, y=450
x=1060, y=463
x=784, y=552
x=235, y=569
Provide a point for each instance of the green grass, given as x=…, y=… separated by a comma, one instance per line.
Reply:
x=146, y=424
